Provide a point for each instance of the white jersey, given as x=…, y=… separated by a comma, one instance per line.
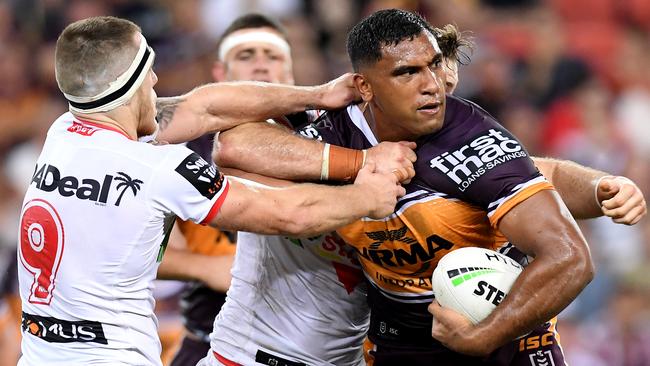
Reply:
x=301, y=300
x=92, y=232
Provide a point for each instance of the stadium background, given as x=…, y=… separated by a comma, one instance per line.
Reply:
x=571, y=78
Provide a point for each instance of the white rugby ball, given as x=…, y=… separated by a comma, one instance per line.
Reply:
x=473, y=281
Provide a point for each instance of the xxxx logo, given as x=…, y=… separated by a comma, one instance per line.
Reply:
x=389, y=235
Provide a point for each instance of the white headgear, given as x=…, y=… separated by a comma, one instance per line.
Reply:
x=120, y=90
x=234, y=39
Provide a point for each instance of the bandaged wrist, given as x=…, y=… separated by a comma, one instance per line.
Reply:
x=325, y=165
x=596, y=188
x=340, y=163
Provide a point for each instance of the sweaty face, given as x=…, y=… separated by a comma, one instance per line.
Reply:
x=258, y=61
x=408, y=89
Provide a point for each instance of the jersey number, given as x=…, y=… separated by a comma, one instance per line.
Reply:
x=41, y=247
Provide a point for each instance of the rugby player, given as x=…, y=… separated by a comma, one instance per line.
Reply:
x=100, y=202
x=402, y=326
x=253, y=47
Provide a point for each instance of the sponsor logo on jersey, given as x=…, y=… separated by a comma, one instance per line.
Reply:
x=55, y=330
x=310, y=132
x=81, y=129
x=202, y=175
x=389, y=235
x=408, y=255
x=471, y=161
x=265, y=358
x=534, y=342
x=48, y=178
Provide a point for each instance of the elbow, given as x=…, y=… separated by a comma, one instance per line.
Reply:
x=580, y=265
x=589, y=271
x=224, y=151
x=299, y=223
x=302, y=225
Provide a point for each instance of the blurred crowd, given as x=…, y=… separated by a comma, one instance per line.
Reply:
x=570, y=78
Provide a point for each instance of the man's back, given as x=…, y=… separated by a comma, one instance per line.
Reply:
x=92, y=231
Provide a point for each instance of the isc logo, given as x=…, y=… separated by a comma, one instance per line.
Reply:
x=471, y=161
x=535, y=342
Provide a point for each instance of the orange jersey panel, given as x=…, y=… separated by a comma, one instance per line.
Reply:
x=206, y=239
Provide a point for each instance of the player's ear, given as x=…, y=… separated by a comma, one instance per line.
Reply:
x=219, y=71
x=363, y=86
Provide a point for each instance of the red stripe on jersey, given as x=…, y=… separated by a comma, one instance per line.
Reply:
x=104, y=127
x=217, y=205
x=224, y=360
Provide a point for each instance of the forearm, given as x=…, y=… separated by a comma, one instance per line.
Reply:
x=540, y=227
x=306, y=210
x=269, y=150
x=244, y=101
x=274, y=151
x=219, y=106
x=543, y=289
x=178, y=264
x=575, y=183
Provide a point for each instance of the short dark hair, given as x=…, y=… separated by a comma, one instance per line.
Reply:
x=253, y=20
x=93, y=52
x=454, y=44
x=385, y=27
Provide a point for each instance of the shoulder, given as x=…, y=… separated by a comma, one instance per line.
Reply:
x=343, y=127
x=473, y=157
x=463, y=116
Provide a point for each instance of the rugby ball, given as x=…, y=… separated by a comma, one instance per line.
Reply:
x=473, y=281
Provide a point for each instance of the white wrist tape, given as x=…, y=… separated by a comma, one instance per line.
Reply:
x=325, y=166
x=598, y=185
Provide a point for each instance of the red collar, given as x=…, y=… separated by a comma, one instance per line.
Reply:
x=103, y=127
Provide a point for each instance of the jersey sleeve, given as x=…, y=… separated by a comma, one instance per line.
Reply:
x=480, y=162
x=189, y=186
x=335, y=127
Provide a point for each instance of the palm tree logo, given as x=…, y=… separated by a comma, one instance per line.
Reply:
x=126, y=182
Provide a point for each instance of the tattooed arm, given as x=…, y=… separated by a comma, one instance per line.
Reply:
x=220, y=106
x=165, y=113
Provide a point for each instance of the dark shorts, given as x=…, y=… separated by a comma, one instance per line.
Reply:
x=190, y=352
x=539, y=348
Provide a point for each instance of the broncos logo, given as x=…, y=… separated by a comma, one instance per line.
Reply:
x=389, y=235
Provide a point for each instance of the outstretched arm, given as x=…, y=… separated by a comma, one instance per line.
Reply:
x=591, y=193
x=219, y=106
x=307, y=209
x=274, y=151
